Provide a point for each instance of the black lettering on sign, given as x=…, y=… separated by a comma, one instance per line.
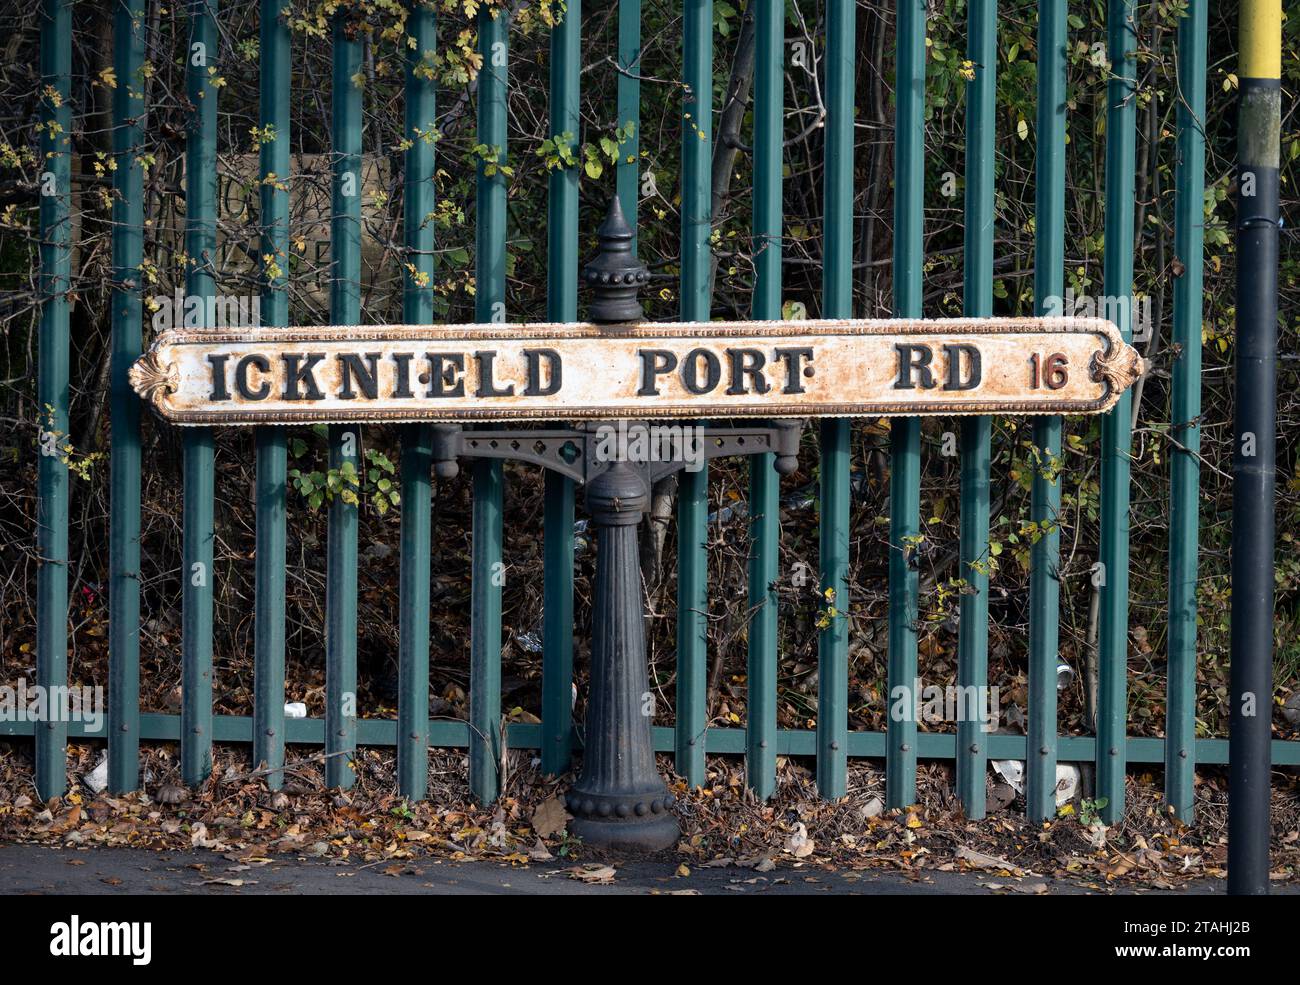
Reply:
x=746, y=363
x=792, y=357
x=913, y=360
x=654, y=363
x=486, y=385
x=954, y=379
x=554, y=373
x=297, y=372
x=402, y=375
x=351, y=368
x=219, y=391
x=262, y=365
x=691, y=371
x=445, y=369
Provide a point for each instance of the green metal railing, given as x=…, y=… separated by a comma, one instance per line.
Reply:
x=1184, y=493
x=905, y=432
x=124, y=480
x=1045, y=494
x=1116, y=427
x=52, y=386
x=693, y=487
x=690, y=739
x=417, y=439
x=562, y=306
x=976, y=432
x=270, y=443
x=198, y=521
x=764, y=486
x=345, y=440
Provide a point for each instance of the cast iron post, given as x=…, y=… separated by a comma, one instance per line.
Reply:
x=620, y=801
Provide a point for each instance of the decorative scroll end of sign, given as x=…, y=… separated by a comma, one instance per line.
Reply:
x=1119, y=367
x=153, y=379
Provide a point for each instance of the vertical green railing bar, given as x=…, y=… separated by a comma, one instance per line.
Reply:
x=628, y=172
x=557, y=622
x=52, y=387
x=977, y=302
x=489, y=306
x=413, y=620
x=1045, y=494
x=485, y=632
x=124, y=467
x=905, y=432
x=1185, y=412
x=345, y=439
x=417, y=439
x=1116, y=434
x=764, y=483
x=693, y=487
x=561, y=306
x=837, y=302
x=197, y=575
x=268, y=627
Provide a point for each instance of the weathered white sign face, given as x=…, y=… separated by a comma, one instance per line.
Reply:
x=645, y=370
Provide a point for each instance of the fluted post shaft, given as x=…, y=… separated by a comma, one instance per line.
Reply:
x=620, y=801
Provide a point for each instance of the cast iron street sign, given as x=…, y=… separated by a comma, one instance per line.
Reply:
x=621, y=367
x=644, y=370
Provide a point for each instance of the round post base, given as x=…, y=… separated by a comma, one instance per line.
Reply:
x=632, y=835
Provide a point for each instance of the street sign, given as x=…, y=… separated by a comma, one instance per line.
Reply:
x=643, y=370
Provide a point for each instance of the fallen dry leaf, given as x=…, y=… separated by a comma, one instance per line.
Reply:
x=982, y=861
x=550, y=818
x=595, y=873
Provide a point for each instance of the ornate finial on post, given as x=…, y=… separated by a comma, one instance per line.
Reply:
x=615, y=275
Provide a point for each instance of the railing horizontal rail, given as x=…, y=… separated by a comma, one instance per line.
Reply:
x=382, y=732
